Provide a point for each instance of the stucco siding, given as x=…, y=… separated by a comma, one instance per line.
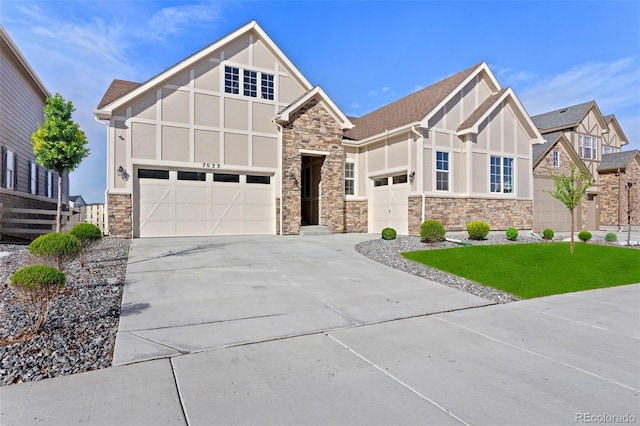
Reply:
x=397, y=153
x=264, y=152
x=143, y=141
x=207, y=147
x=175, y=144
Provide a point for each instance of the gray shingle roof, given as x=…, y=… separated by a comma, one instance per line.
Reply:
x=407, y=110
x=562, y=118
x=540, y=150
x=617, y=160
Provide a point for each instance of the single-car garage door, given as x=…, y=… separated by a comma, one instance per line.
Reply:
x=549, y=212
x=389, y=204
x=184, y=203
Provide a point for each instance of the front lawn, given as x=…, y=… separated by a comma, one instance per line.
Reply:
x=534, y=270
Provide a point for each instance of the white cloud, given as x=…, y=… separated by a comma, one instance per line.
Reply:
x=171, y=20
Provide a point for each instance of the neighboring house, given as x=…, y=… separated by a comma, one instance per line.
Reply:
x=617, y=198
x=235, y=140
x=585, y=137
x=76, y=201
x=24, y=183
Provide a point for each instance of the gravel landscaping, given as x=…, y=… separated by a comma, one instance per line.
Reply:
x=81, y=328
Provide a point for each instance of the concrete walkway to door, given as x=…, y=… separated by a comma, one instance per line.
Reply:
x=305, y=331
x=186, y=295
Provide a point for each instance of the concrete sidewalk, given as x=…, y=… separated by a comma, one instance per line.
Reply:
x=356, y=359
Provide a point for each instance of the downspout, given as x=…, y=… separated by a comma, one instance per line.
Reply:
x=280, y=129
x=421, y=153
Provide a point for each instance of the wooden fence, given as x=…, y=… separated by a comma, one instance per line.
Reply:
x=23, y=223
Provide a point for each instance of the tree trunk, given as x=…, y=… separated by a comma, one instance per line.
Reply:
x=572, y=231
x=59, y=209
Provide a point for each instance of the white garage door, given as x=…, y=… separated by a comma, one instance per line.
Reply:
x=549, y=212
x=183, y=203
x=389, y=204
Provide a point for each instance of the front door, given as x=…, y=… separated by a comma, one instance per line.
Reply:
x=311, y=193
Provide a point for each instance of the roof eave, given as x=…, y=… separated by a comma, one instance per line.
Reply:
x=318, y=93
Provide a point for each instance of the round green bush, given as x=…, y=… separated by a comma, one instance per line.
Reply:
x=611, y=237
x=55, y=248
x=548, y=234
x=512, y=234
x=86, y=231
x=584, y=236
x=389, y=234
x=478, y=230
x=36, y=276
x=431, y=231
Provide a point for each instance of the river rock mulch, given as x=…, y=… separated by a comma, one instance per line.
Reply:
x=390, y=253
x=81, y=328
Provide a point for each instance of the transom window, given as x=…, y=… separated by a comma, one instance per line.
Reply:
x=588, y=147
x=231, y=80
x=226, y=177
x=153, y=174
x=501, y=172
x=442, y=171
x=250, y=83
x=349, y=178
x=400, y=179
x=381, y=181
x=264, y=180
x=556, y=158
x=195, y=176
x=267, y=86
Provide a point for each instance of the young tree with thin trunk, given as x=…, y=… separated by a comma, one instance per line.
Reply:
x=59, y=144
x=570, y=190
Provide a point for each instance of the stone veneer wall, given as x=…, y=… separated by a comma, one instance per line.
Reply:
x=613, y=200
x=119, y=210
x=455, y=213
x=356, y=217
x=313, y=128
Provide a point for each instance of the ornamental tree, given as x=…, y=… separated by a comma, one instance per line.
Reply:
x=59, y=144
x=570, y=190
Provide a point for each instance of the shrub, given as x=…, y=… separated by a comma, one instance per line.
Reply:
x=56, y=249
x=478, y=230
x=584, y=236
x=611, y=237
x=431, y=231
x=548, y=234
x=88, y=234
x=512, y=234
x=38, y=285
x=389, y=234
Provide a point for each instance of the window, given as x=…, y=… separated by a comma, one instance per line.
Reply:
x=33, y=178
x=250, y=83
x=266, y=86
x=501, y=173
x=226, y=177
x=381, y=182
x=259, y=179
x=588, y=147
x=197, y=176
x=153, y=174
x=400, y=179
x=608, y=150
x=442, y=171
x=349, y=178
x=9, y=169
x=49, y=184
x=231, y=80
x=556, y=158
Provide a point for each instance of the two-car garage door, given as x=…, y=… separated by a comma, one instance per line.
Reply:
x=186, y=203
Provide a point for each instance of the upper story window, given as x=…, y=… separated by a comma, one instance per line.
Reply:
x=33, y=178
x=232, y=80
x=250, y=83
x=9, y=169
x=608, y=150
x=349, y=178
x=501, y=173
x=556, y=158
x=266, y=86
x=442, y=171
x=588, y=147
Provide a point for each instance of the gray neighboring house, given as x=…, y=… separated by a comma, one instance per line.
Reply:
x=583, y=135
x=76, y=201
x=23, y=182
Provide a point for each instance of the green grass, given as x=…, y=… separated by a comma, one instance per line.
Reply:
x=535, y=270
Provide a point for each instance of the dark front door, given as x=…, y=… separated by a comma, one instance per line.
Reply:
x=311, y=194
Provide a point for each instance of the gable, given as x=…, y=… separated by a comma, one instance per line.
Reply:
x=592, y=123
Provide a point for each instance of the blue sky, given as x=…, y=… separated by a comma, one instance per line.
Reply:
x=363, y=54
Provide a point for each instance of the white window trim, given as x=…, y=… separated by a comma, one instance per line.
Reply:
x=10, y=169
x=33, y=178
x=593, y=147
x=556, y=158
x=241, y=82
x=353, y=179
x=49, y=184
x=502, y=175
x=436, y=170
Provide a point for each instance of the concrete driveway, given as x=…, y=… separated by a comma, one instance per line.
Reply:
x=293, y=330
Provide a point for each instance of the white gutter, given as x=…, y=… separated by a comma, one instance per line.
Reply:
x=385, y=134
x=280, y=129
x=413, y=129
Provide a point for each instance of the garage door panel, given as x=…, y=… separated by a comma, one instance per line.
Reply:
x=156, y=229
x=389, y=208
x=229, y=211
x=258, y=227
x=156, y=211
x=192, y=193
x=191, y=227
x=192, y=211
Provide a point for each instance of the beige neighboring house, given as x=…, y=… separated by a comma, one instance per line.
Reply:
x=23, y=182
x=582, y=135
x=235, y=140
